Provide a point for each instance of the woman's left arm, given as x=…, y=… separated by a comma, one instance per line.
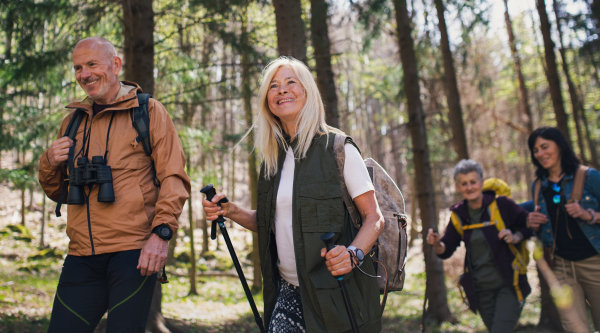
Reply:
x=338, y=259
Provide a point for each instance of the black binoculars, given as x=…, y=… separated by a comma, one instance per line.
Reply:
x=88, y=173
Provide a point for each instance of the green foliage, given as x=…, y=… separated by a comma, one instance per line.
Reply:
x=19, y=232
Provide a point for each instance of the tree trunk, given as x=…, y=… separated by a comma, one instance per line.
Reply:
x=171, y=252
x=595, y=9
x=552, y=72
x=251, y=159
x=524, y=101
x=191, y=234
x=322, y=47
x=459, y=140
x=23, y=206
x=575, y=103
x=436, y=288
x=291, y=39
x=138, y=48
x=43, y=221
x=586, y=125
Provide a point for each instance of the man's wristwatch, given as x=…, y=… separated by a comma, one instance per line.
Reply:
x=357, y=253
x=163, y=231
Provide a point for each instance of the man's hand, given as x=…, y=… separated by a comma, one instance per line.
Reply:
x=59, y=151
x=153, y=256
x=535, y=219
x=337, y=260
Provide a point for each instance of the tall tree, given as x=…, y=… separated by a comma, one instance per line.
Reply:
x=320, y=39
x=436, y=288
x=459, y=140
x=575, y=102
x=291, y=38
x=552, y=72
x=138, y=51
x=251, y=159
x=595, y=10
x=524, y=94
x=138, y=48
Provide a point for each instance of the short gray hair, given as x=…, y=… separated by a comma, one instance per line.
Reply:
x=467, y=166
x=106, y=46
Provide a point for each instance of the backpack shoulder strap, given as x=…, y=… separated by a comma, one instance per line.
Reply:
x=537, y=186
x=579, y=183
x=340, y=157
x=70, y=132
x=495, y=215
x=141, y=122
x=457, y=222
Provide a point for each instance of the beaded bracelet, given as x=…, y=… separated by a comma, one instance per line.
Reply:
x=594, y=217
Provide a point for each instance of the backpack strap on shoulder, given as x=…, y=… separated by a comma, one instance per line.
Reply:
x=457, y=222
x=579, y=183
x=140, y=120
x=340, y=157
x=70, y=132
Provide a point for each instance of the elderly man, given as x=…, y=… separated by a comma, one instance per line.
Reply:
x=116, y=248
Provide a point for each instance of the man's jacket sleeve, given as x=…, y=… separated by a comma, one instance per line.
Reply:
x=52, y=178
x=169, y=161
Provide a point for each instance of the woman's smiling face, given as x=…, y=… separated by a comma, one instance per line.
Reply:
x=469, y=185
x=547, y=153
x=286, y=96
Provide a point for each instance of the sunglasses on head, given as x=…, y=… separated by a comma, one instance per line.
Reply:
x=556, y=198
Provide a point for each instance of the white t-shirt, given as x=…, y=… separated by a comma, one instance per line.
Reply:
x=357, y=181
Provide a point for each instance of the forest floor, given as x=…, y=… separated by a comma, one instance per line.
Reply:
x=28, y=279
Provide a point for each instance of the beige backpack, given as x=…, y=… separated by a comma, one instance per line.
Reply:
x=389, y=253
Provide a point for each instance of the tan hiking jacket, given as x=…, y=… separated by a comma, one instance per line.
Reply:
x=139, y=205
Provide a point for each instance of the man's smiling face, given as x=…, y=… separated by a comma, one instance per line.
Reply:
x=97, y=70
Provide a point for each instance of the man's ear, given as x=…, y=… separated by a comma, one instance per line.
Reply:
x=117, y=62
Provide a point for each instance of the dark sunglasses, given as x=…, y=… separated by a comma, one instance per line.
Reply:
x=556, y=198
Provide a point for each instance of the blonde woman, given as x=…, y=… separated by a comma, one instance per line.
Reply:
x=299, y=199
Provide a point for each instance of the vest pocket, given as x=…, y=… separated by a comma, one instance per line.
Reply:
x=331, y=302
x=321, y=208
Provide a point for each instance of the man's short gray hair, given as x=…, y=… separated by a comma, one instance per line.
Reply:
x=467, y=166
x=107, y=47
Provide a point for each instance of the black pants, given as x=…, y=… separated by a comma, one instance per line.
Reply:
x=91, y=285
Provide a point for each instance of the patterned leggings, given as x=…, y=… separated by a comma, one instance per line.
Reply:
x=288, y=316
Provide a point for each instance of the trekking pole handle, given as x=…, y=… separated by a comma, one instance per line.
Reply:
x=210, y=192
x=327, y=238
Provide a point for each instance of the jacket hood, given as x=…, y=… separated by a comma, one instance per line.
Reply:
x=126, y=99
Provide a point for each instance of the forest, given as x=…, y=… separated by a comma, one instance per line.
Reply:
x=418, y=84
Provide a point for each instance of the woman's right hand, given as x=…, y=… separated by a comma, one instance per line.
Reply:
x=535, y=219
x=213, y=210
x=432, y=237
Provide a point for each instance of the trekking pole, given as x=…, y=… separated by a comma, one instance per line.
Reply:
x=210, y=192
x=427, y=257
x=327, y=238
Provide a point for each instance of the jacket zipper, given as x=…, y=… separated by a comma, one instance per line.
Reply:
x=87, y=205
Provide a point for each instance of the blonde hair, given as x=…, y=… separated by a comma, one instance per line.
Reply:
x=310, y=121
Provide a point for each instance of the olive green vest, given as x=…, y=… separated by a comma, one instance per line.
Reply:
x=318, y=208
